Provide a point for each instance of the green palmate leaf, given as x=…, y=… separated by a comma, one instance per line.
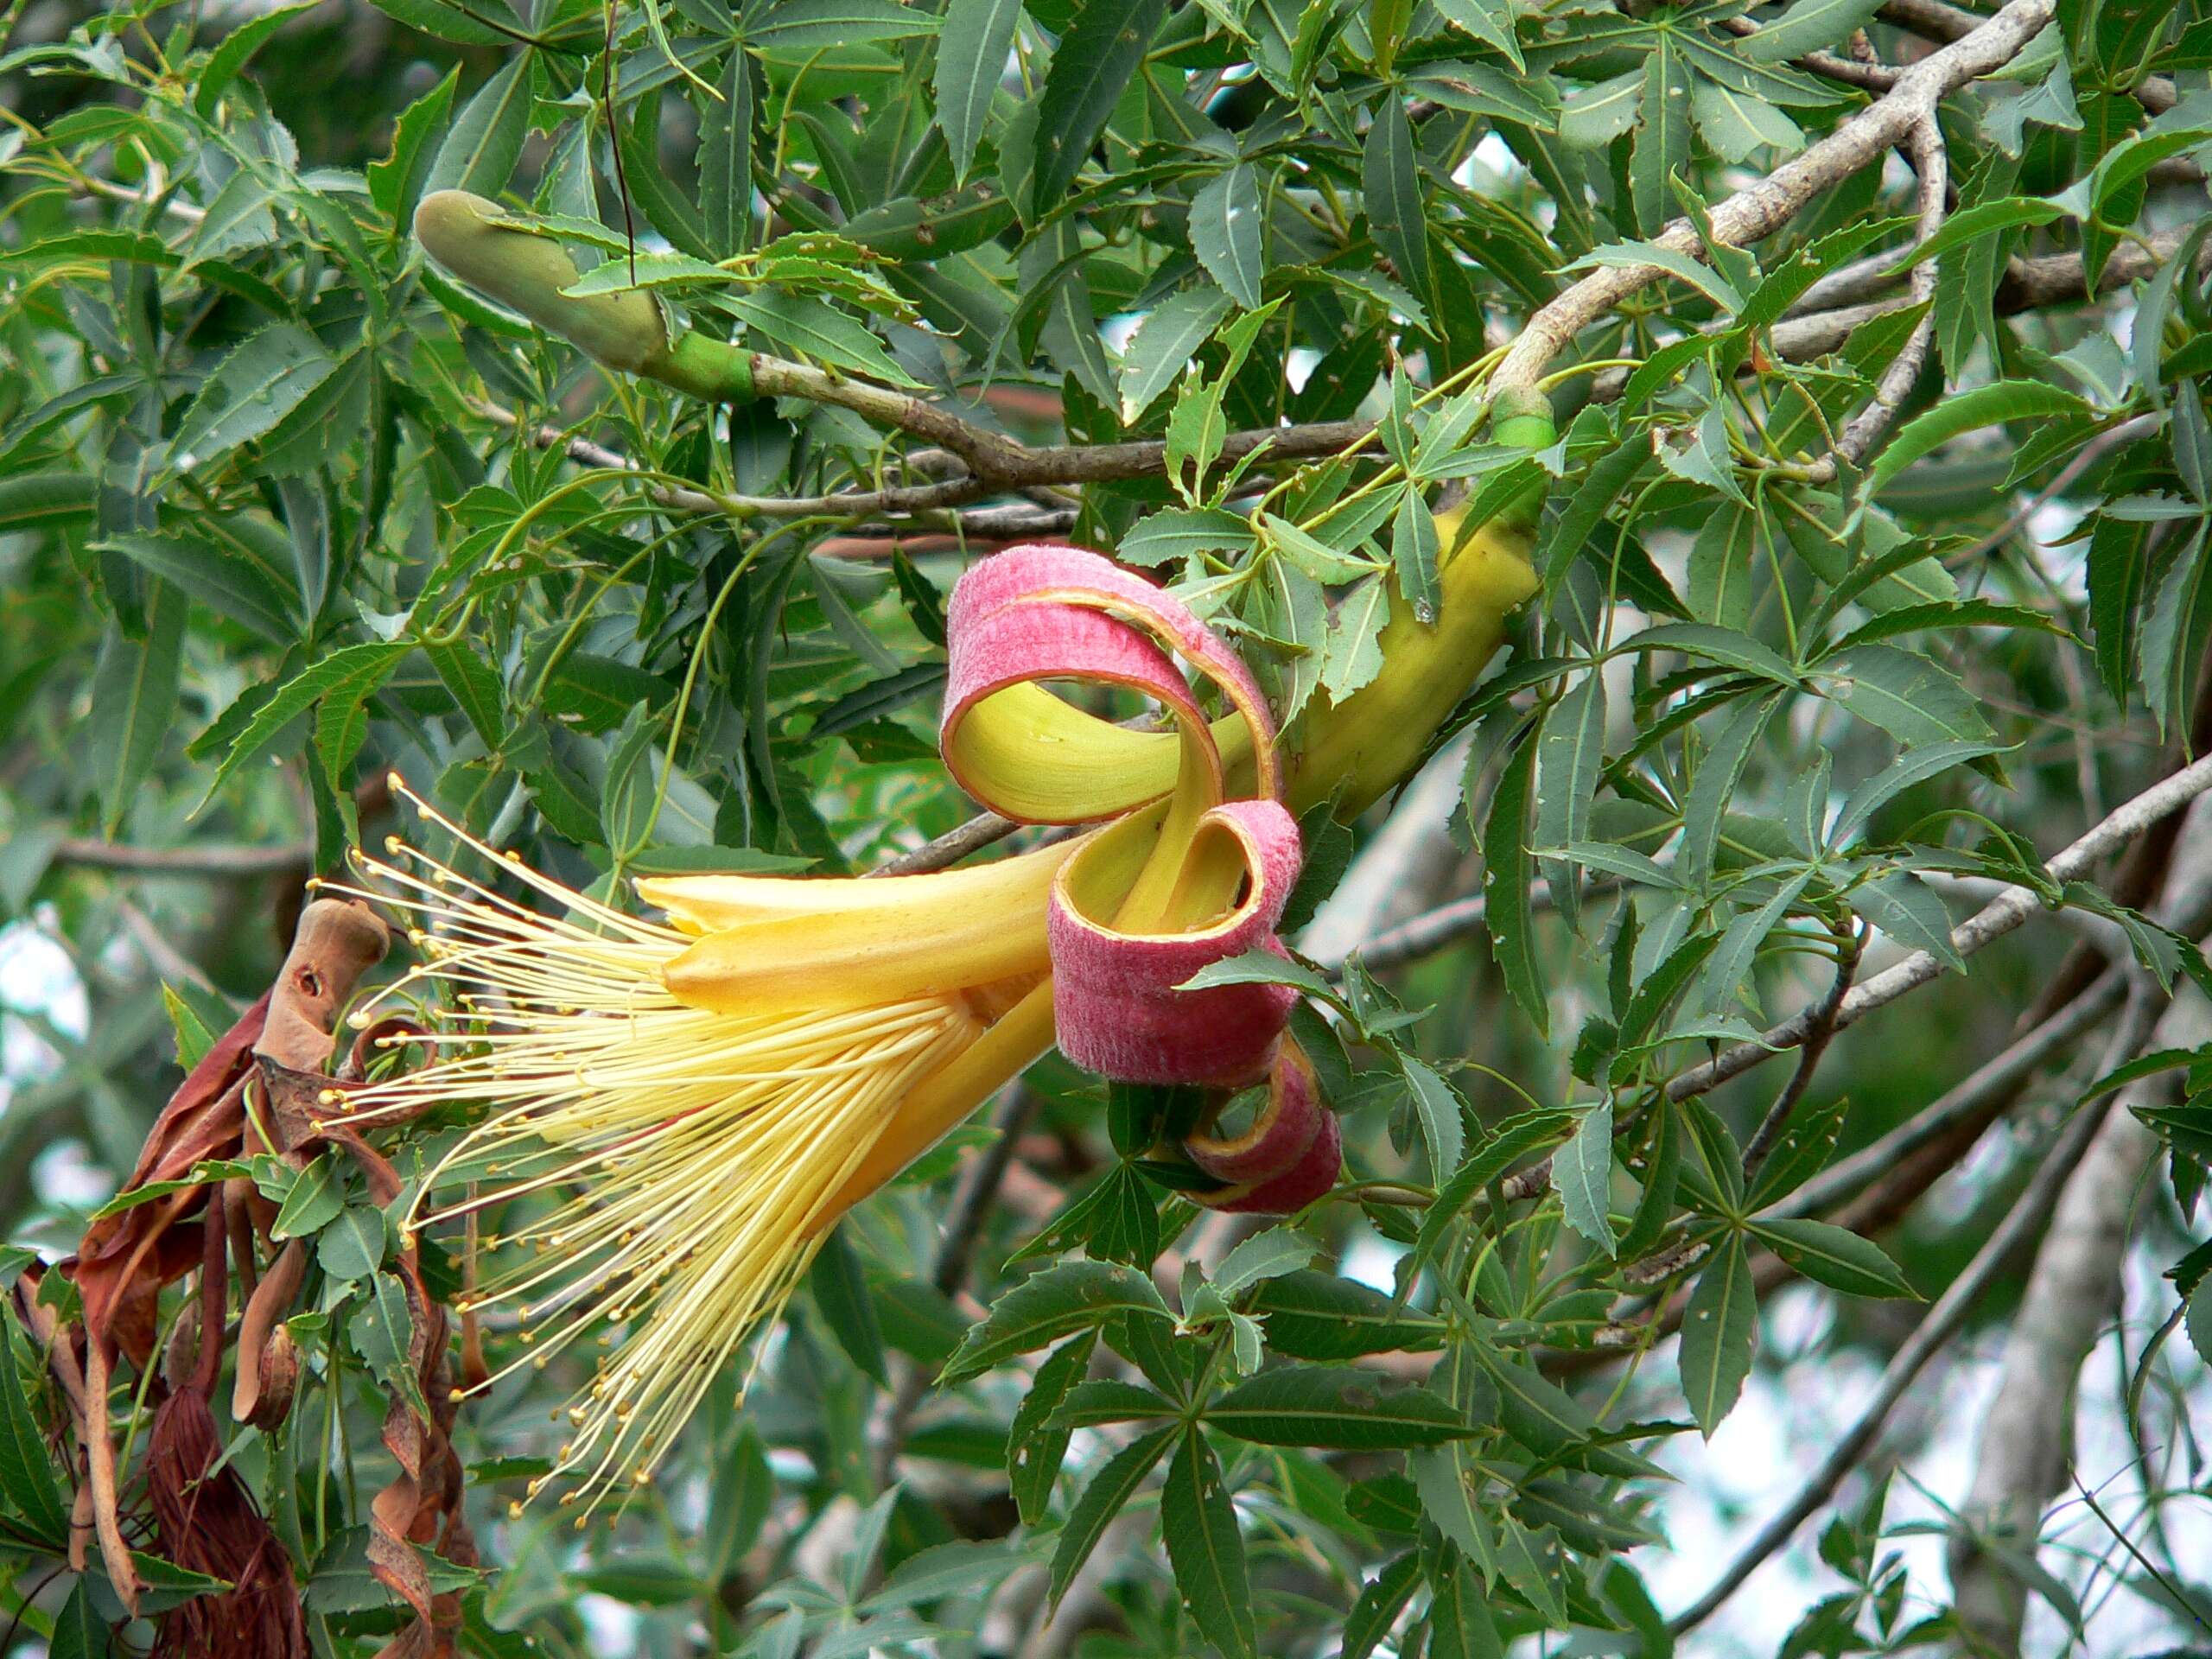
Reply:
x=37, y=499
x=1270, y=1254
x=1718, y=1330
x=1718, y=775
x=811, y=25
x=1318, y=1316
x=1459, y=1622
x=1228, y=232
x=814, y=329
x=1179, y=533
x=1380, y=1600
x=1109, y=1488
x=396, y=182
x=1662, y=134
x=623, y=273
x=960, y=1568
x=841, y=1295
x=1984, y=219
x=217, y=576
x=345, y=676
x=1545, y=1419
x=1033, y=1451
x=1722, y=645
x=1413, y=556
x=1602, y=113
x=725, y=160
x=1165, y=343
x=481, y=151
x=1913, y=698
x=1914, y=767
x=134, y=700
x=1336, y=1407
x=1508, y=882
x=1834, y=1257
x=1512, y=1142
x=1969, y=411
x=313, y=1202
x=476, y=690
x=1582, y=1173
x=236, y=48
x=1440, y=1477
x=1720, y=568
x=1390, y=186
x=1442, y=1113
x=351, y=1245
x=1097, y=55
x=1352, y=656
x=1107, y=1401
x=262, y=380
x=971, y=58
x=1807, y=26
x=1205, y=1547
x=382, y=1330
x=1735, y=123
x=471, y=22
x=1570, y=754
x=26, y=1472
x=1057, y=1302
x=79, y=1630
x=1488, y=20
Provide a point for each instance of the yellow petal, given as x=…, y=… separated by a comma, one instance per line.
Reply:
x=710, y=904
x=778, y=943
x=1096, y=768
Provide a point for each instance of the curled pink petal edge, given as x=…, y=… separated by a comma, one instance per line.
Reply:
x=1114, y=995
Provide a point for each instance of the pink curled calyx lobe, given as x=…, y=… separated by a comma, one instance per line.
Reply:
x=1047, y=612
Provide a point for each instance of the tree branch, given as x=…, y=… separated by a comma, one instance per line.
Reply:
x=1995, y=919
x=1941, y=1323
x=1763, y=207
x=1934, y=20
x=238, y=862
x=1408, y=862
x=2026, y=1441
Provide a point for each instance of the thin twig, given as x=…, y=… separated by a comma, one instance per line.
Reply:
x=1934, y=20
x=2084, y=458
x=1942, y=1321
x=1995, y=919
x=1931, y=161
x=165, y=959
x=1763, y=207
x=1808, y=1058
x=213, y=861
x=1994, y=1080
x=1874, y=76
x=949, y=848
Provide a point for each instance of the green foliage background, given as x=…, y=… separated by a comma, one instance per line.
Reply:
x=274, y=516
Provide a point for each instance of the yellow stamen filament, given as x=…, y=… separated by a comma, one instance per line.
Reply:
x=676, y=1166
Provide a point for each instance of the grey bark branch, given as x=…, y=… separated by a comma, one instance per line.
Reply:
x=1937, y=1329
x=2026, y=1443
x=1409, y=864
x=1997, y=1078
x=212, y=860
x=1931, y=162
x=1934, y=20
x=1763, y=207
x=2150, y=1019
